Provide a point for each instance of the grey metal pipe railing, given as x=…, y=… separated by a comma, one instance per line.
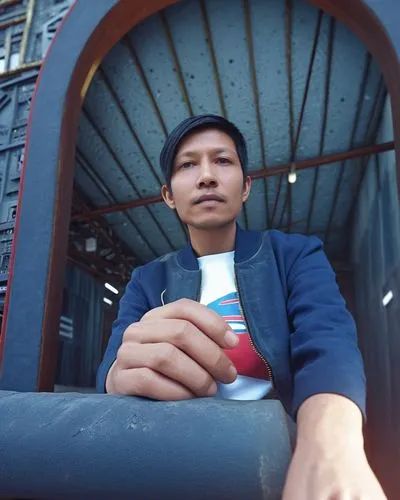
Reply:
x=62, y=446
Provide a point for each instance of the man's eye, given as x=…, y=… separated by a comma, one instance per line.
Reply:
x=186, y=165
x=223, y=161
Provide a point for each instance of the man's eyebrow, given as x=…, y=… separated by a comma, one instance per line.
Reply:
x=214, y=151
x=223, y=150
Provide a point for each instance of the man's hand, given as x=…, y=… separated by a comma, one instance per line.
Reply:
x=329, y=462
x=175, y=352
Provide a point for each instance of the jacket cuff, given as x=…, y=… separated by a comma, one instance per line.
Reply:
x=344, y=383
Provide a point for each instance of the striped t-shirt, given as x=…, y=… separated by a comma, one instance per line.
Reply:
x=218, y=292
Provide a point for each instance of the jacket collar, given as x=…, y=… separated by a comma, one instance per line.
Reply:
x=246, y=245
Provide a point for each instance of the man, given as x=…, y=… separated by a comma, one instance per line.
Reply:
x=275, y=324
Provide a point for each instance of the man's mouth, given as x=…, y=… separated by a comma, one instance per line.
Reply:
x=209, y=198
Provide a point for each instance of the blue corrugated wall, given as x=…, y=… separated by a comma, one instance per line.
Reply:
x=376, y=265
x=83, y=303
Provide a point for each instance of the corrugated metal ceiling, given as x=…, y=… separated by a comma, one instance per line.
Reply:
x=297, y=83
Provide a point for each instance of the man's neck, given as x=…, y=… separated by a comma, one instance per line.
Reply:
x=212, y=241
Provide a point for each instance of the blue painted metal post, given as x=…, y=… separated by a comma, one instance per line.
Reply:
x=114, y=447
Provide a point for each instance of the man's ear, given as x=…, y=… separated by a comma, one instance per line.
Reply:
x=166, y=194
x=246, y=188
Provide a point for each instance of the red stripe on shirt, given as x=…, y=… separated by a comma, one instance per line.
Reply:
x=246, y=360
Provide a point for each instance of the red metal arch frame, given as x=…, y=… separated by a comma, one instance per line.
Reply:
x=29, y=339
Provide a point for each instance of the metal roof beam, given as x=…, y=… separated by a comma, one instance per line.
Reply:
x=256, y=97
x=257, y=174
x=288, y=22
x=327, y=95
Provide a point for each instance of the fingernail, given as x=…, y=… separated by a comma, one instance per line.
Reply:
x=233, y=371
x=231, y=339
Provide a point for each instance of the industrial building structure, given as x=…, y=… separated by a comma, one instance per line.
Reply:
x=313, y=85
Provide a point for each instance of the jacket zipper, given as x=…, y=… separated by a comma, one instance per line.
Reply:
x=267, y=365
x=269, y=369
x=199, y=290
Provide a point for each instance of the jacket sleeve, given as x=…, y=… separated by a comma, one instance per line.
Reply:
x=133, y=305
x=324, y=351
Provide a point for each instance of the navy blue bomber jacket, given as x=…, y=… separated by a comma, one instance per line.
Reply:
x=294, y=311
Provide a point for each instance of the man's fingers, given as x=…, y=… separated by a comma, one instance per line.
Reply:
x=168, y=360
x=150, y=384
x=205, y=319
x=188, y=339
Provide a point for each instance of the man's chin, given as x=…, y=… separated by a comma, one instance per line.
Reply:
x=211, y=223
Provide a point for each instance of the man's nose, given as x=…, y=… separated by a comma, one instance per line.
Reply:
x=207, y=175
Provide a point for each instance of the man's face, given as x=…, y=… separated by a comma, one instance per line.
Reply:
x=207, y=186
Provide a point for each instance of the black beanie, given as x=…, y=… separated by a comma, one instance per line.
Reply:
x=194, y=124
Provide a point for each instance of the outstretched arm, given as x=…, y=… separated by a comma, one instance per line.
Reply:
x=329, y=383
x=329, y=460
